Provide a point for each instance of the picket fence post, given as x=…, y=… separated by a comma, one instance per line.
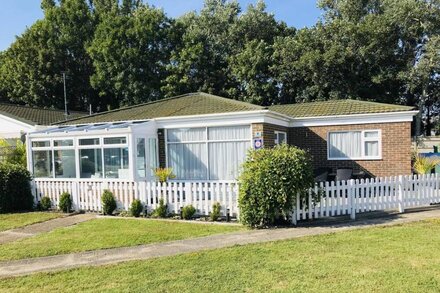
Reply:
x=75, y=196
x=352, y=194
x=400, y=195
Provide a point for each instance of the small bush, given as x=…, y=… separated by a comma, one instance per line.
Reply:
x=108, y=202
x=216, y=209
x=15, y=189
x=270, y=182
x=136, y=208
x=161, y=211
x=45, y=203
x=65, y=203
x=188, y=212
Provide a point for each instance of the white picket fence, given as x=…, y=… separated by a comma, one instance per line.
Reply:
x=86, y=194
x=336, y=198
x=358, y=196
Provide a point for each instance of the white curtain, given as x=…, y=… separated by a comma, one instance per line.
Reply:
x=229, y=132
x=188, y=160
x=345, y=144
x=225, y=159
x=186, y=134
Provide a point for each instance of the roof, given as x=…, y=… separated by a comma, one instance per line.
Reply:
x=35, y=116
x=184, y=105
x=336, y=108
x=202, y=103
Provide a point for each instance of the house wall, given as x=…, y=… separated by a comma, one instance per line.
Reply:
x=10, y=128
x=268, y=132
x=396, y=147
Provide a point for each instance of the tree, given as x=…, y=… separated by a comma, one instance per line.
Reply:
x=32, y=67
x=130, y=51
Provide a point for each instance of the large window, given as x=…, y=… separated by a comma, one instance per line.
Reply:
x=53, y=159
x=91, y=163
x=214, y=153
x=354, y=145
x=116, y=163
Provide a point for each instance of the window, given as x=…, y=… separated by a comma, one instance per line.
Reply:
x=90, y=163
x=349, y=145
x=214, y=153
x=64, y=164
x=141, y=159
x=42, y=163
x=152, y=155
x=116, y=163
x=41, y=144
x=64, y=142
x=280, y=137
x=89, y=141
x=115, y=140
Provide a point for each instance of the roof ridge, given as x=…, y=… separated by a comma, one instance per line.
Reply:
x=162, y=100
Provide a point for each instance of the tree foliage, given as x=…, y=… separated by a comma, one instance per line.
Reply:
x=125, y=52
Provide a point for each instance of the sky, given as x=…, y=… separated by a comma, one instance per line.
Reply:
x=16, y=15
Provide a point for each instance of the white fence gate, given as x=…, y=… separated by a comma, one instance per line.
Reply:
x=358, y=196
x=86, y=194
x=336, y=198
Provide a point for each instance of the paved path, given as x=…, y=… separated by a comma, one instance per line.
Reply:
x=143, y=252
x=34, y=229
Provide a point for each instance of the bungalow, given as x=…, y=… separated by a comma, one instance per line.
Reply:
x=206, y=137
x=17, y=120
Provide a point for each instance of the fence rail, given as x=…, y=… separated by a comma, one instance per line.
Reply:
x=86, y=194
x=335, y=198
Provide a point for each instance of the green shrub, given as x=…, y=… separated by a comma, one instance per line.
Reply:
x=270, y=182
x=65, y=203
x=188, y=212
x=161, y=211
x=216, y=209
x=15, y=189
x=108, y=202
x=136, y=208
x=45, y=203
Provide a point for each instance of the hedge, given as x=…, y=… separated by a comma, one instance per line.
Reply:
x=15, y=189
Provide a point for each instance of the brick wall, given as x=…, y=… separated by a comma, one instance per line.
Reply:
x=268, y=132
x=396, y=147
x=161, y=144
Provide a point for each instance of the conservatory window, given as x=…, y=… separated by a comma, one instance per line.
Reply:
x=42, y=163
x=152, y=155
x=141, y=159
x=64, y=164
x=115, y=140
x=89, y=141
x=63, y=143
x=41, y=144
x=116, y=163
x=90, y=163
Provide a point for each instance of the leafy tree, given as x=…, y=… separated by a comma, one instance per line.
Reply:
x=130, y=51
x=31, y=72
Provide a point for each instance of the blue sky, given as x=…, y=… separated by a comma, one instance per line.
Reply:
x=16, y=15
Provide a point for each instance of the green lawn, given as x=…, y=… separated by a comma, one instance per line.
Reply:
x=11, y=221
x=107, y=233
x=392, y=259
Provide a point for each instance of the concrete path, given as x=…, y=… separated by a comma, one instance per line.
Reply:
x=143, y=252
x=47, y=226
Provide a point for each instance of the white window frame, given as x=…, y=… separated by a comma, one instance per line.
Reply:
x=277, y=136
x=206, y=141
x=363, y=140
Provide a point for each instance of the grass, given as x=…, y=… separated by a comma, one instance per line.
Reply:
x=106, y=233
x=388, y=259
x=11, y=221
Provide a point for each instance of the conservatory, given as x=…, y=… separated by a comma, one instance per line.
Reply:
x=120, y=150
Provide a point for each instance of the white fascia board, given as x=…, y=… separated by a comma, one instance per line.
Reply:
x=390, y=117
x=102, y=132
x=223, y=119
